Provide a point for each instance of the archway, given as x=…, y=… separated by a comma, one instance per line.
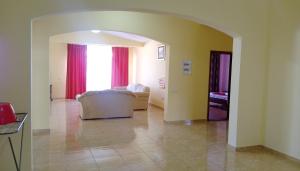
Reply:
x=247, y=19
x=115, y=21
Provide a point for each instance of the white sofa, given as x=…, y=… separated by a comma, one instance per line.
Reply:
x=141, y=93
x=106, y=104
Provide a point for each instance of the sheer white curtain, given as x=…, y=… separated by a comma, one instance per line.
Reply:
x=99, y=64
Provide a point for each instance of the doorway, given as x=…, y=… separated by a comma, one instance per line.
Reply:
x=219, y=86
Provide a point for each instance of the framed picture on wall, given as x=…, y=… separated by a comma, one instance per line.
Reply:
x=161, y=52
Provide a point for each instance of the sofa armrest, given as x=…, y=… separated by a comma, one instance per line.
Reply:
x=78, y=96
x=141, y=94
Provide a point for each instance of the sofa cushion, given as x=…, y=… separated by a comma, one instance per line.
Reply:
x=91, y=93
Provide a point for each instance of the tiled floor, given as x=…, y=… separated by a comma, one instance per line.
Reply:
x=142, y=143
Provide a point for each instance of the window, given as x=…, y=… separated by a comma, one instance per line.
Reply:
x=99, y=67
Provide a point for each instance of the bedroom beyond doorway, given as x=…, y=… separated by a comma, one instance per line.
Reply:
x=219, y=86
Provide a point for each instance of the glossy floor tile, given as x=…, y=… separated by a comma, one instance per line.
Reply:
x=142, y=143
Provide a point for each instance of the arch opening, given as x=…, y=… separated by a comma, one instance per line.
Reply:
x=114, y=21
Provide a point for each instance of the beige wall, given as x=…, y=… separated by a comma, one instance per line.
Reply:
x=283, y=109
x=149, y=70
x=249, y=97
x=188, y=93
x=58, y=69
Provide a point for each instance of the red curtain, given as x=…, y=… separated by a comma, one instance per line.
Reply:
x=76, y=70
x=119, y=67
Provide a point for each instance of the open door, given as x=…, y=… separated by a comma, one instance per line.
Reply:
x=219, y=86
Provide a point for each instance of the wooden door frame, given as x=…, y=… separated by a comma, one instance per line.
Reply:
x=229, y=81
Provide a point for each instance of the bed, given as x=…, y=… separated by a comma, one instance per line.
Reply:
x=219, y=99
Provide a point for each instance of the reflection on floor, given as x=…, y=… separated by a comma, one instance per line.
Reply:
x=217, y=114
x=142, y=143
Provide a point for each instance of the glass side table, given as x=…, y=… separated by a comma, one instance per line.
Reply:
x=14, y=128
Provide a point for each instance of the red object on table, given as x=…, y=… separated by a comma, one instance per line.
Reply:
x=7, y=113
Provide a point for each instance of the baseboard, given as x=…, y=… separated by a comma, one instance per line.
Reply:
x=282, y=154
x=261, y=147
x=151, y=104
x=249, y=148
x=174, y=122
x=40, y=131
x=186, y=122
x=59, y=98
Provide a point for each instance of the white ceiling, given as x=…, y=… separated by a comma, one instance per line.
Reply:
x=103, y=37
x=113, y=38
x=128, y=36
